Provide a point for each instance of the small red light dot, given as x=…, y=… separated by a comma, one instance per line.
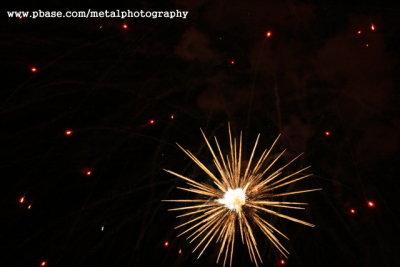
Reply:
x=232, y=62
x=180, y=251
x=166, y=244
x=359, y=32
x=172, y=116
x=327, y=133
x=371, y=204
x=68, y=132
x=353, y=211
x=43, y=263
x=88, y=173
x=366, y=45
x=22, y=200
x=125, y=26
x=29, y=206
x=268, y=34
x=282, y=262
x=33, y=69
x=373, y=27
x=152, y=121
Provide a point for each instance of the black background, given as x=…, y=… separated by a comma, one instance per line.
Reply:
x=314, y=75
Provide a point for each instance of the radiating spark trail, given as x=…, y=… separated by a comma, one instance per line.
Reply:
x=236, y=204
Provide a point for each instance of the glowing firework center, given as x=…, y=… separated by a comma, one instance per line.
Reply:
x=233, y=199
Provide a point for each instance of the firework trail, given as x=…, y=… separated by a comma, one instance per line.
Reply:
x=237, y=200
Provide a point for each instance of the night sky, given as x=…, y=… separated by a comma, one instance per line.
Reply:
x=91, y=109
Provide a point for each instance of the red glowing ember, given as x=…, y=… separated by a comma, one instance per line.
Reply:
x=371, y=204
x=373, y=27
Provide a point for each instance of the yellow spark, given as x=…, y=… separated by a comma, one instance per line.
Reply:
x=239, y=199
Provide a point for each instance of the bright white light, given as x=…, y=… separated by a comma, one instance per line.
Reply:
x=233, y=199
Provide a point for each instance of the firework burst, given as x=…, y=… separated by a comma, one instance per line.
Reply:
x=237, y=200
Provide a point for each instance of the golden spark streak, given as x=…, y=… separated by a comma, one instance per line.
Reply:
x=237, y=198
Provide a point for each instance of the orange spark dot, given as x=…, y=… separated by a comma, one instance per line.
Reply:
x=180, y=251
x=232, y=62
x=43, y=263
x=22, y=200
x=359, y=32
x=282, y=262
x=373, y=27
x=172, y=116
x=68, y=132
x=353, y=211
x=371, y=204
x=29, y=206
x=88, y=172
x=367, y=45
x=327, y=133
x=268, y=34
x=166, y=244
x=125, y=26
x=33, y=69
x=152, y=121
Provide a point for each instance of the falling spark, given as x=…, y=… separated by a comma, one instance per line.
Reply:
x=371, y=204
x=125, y=26
x=242, y=194
x=166, y=244
x=353, y=211
x=33, y=69
x=68, y=132
x=22, y=200
x=359, y=32
x=232, y=61
x=268, y=34
x=152, y=121
x=373, y=27
x=327, y=133
x=43, y=263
